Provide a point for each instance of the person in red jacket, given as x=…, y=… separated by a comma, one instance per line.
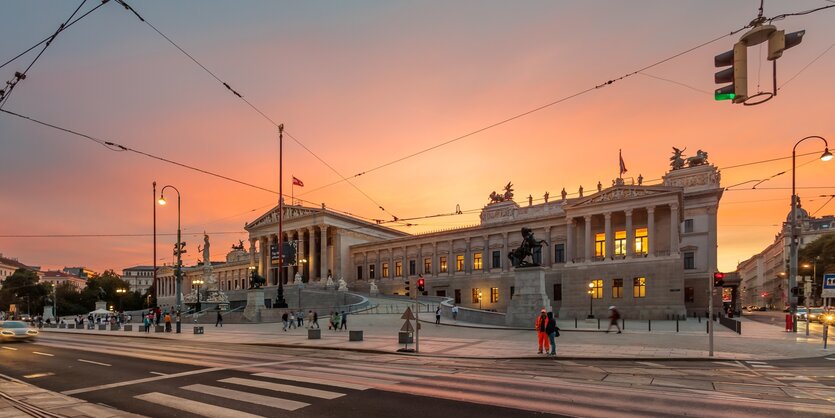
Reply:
x=542, y=337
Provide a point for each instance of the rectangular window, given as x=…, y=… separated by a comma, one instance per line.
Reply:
x=398, y=268
x=688, y=225
x=557, y=292
x=477, y=261
x=443, y=265
x=459, y=263
x=641, y=241
x=559, y=253
x=476, y=295
x=441, y=293
x=427, y=265
x=458, y=296
x=494, y=294
x=600, y=245
x=497, y=259
x=359, y=272
x=596, y=289
x=371, y=271
x=617, y=288
x=639, y=287
x=689, y=260
x=689, y=294
x=412, y=268
x=386, y=270
x=620, y=243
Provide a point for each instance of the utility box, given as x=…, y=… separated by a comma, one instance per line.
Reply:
x=405, y=337
x=128, y=327
x=314, y=334
x=102, y=327
x=354, y=335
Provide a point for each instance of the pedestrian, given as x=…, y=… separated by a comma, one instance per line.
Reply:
x=167, y=322
x=292, y=319
x=454, y=312
x=542, y=338
x=343, y=324
x=315, y=320
x=614, y=316
x=438, y=315
x=219, y=320
x=310, y=318
x=553, y=331
x=147, y=322
x=334, y=320
x=300, y=317
x=284, y=320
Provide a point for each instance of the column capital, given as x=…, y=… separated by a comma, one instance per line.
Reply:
x=650, y=209
x=674, y=206
x=587, y=218
x=628, y=212
x=607, y=215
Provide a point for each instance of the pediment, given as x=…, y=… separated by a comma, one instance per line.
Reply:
x=623, y=193
x=290, y=212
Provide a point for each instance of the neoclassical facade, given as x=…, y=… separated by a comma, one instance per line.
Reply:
x=650, y=250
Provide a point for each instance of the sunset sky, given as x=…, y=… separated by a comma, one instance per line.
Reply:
x=363, y=83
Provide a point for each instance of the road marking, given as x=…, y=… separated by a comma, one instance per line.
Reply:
x=756, y=362
x=14, y=349
x=298, y=390
x=383, y=377
x=94, y=362
x=649, y=363
x=340, y=377
x=828, y=358
x=37, y=375
x=159, y=374
x=313, y=380
x=762, y=366
x=194, y=407
x=42, y=354
x=729, y=363
x=237, y=395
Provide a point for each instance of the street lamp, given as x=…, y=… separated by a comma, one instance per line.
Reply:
x=198, y=282
x=826, y=156
x=121, y=291
x=479, y=298
x=806, y=297
x=301, y=285
x=179, y=250
x=591, y=298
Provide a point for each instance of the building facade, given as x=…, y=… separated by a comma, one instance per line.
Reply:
x=8, y=265
x=140, y=278
x=56, y=278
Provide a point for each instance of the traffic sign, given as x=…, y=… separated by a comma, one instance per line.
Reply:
x=828, y=290
x=408, y=315
x=407, y=327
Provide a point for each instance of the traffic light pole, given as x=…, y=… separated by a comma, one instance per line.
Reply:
x=711, y=289
x=417, y=324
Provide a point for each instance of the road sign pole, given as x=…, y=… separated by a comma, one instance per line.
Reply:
x=417, y=324
x=711, y=289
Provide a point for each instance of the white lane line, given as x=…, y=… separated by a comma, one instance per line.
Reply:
x=159, y=374
x=94, y=362
x=341, y=377
x=193, y=407
x=43, y=354
x=315, y=381
x=278, y=387
x=14, y=349
x=237, y=395
x=649, y=363
x=37, y=375
x=756, y=362
x=762, y=366
x=828, y=358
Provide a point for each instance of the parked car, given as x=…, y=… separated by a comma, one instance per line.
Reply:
x=16, y=331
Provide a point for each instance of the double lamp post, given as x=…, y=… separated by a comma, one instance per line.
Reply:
x=178, y=250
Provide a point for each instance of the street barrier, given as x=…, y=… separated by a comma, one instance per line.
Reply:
x=733, y=324
x=114, y=327
x=128, y=327
x=354, y=335
x=314, y=334
x=102, y=327
x=198, y=330
x=159, y=328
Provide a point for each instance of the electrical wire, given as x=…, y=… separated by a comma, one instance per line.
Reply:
x=824, y=204
x=806, y=12
x=696, y=89
x=806, y=66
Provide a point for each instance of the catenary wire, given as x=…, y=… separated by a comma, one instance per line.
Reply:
x=806, y=66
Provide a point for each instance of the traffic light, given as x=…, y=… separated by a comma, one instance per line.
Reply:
x=779, y=41
x=421, y=283
x=718, y=279
x=737, y=73
x=407, y=288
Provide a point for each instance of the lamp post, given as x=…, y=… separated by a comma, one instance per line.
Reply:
x=198, y=282
x=179, y=250
x=826, y=156
x=301, y=285
x=479, y=298
x=591, y=299
x=814, y=267
x=121, y=292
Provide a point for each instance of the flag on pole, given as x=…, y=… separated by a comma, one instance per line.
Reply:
x=622, y=164
x=297, y=182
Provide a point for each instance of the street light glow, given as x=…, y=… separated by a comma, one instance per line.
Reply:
x=826, y=156
x=161, y=201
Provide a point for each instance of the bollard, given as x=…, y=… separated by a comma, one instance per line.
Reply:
x=676, y=323
x=623, y=323
x=575, y=322
x=649, y=324
x=707, y=327
x=598, y=323
x=700, y=318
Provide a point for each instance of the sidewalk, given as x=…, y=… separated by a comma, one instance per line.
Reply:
x=458, y=339
x=18, y=398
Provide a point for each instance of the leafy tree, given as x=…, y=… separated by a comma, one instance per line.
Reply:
x=22, y=288
x=821, y=252
x=69, y=300
x=103, y=287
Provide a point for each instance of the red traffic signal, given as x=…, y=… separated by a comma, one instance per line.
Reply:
x=718, y=279
x=421, y=284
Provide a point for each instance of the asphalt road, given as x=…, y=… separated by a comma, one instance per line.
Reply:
x=170, y=378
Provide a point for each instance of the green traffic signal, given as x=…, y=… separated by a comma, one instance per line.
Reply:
x=724, y=96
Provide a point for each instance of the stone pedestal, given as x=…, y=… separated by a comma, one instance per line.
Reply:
x=100, y=304
x=254, y=304
x=529, y=297
x=47, y=313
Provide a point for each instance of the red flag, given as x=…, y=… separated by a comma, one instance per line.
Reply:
x=622, y=164
x=297, y=182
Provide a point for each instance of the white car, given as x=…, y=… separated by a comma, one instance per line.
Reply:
x=16, y=331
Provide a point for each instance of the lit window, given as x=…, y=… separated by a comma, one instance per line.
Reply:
x=443, y=265
x=398, y=268
x=476, y=294
x=427, y=265
x=641, y=246
x=371, y=272
x=477, y=261
x=617, y=288
x=620, y=243
x=459, y=263
x=494, y=294
x=596, y=289
x=600, y=245
x=639, y=287
x=385, y=269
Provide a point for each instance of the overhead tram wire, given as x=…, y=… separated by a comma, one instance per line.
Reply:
x=251, y=105
x=20, y=76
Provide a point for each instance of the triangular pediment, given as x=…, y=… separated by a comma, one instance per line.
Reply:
x=623, y=193
x=290, y=212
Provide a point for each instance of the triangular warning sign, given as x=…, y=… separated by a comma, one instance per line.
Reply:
x=408, y=314
x=407, y=327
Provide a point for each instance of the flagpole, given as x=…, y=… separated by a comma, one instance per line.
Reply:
x=293, y=189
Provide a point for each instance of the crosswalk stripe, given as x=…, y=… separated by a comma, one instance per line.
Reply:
x=373, y=375
x=312, y=380
x=649, y=363
x=237, y=395
x=762, y=366
x=395, y=370
x=278, y=387
x=755, y=362
x=339, y=377
x=828, y=358
x=194, y=407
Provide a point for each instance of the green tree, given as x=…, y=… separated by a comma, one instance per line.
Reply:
x=69, y=300
x=821, y=254
x=22, y=288
x=103, y=287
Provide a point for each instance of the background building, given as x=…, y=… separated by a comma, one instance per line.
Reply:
x=140, y=278
x=8, y=265
x=56, y=277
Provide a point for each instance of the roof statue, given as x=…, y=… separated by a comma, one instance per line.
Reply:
x=676, y=161
x=699, y=159
x=508, y=194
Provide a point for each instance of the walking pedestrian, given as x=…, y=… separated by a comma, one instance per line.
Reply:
x=614, y=316
x=284, y=320
x=542, y=338
x=219, y=320
x=454, y=312
x=300, y=317
x=334, y=320
x=438, y=315
x=310, y=318
x=167, y=322
x=147, y=322
x=343, y=324
x=292, y=319
x=315, y=320
x=553, y=331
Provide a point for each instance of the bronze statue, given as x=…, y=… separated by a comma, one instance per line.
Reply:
x=508, y=191
x=529, y=247
x=546, y=195
x=239, y=245
x=563, y=193
x=255, y=280
x=699, y=159
x=640, y=179
x=600, y=186
x=580, y=191
x=676, y=161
